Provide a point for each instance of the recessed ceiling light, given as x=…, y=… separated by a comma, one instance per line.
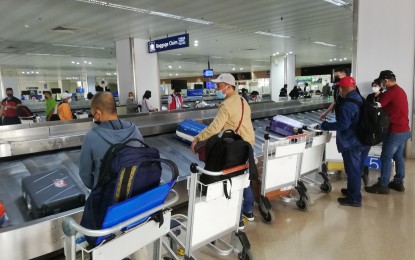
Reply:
x=331, y=59
x=89, y=63
x=341, y=59
x=233, y=69
x=274, y=54
x=241, y=68
x=291, y=52
x=170, y=74
x=334, y=59
x=23, y=72
x=177, y=74
x=32, y=72
x=77, y=63
x=26, y=26
x=73, y=62
x=37, y=72
x=345, y=59
x=85, y=61
x=170, y=67
x=180, y=67
x=115, y=73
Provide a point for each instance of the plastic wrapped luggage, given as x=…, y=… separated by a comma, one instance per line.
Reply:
x=188, y=129
x=51, y=192
x=285, y=126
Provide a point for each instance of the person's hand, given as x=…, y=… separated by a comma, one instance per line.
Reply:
x=323, y=116
x=193, y=146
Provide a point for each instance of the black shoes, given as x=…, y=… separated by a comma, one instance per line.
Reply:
x=249, y=216
x=377, y=189
x=348, y=202
x=344, y=192
x=396, y=186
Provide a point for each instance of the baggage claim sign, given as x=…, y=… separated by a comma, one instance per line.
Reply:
x=170, y=43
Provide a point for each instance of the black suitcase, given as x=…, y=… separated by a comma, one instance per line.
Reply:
x=51, y=192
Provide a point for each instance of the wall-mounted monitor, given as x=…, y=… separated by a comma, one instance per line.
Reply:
x=208, y=73
x=55, y=90
x=198, y=86
x=242, y=76
x=178, y=84
x=209, y=85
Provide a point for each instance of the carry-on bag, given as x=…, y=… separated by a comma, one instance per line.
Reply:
x=188, y=129
x=51, y=192
x=285, y=126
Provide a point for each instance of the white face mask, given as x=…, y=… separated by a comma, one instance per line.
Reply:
x=69, y=100
x=375, y=89
x=131, y=97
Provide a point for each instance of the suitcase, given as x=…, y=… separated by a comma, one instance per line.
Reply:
x=51, y=192
x=188, y=129
x=285, y=126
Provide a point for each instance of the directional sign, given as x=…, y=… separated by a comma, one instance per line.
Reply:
x=170, y=43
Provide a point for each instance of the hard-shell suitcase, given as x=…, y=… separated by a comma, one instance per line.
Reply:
x=188, y=129
x=51, y=192
x=285, y=126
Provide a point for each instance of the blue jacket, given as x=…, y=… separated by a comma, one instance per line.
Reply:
x=96, y=143
x=346, y=124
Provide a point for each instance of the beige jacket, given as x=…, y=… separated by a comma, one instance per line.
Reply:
x=228, y=117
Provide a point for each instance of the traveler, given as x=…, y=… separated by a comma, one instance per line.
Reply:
x=64, y=110
x=284, y=91
x=8, y=108
x=245, y=94
x=377, y=90
x=353, y=151
x=145, y=103
x=294, y=93
x=110, y=130
x=394, y=102
x=229, y=117
x=175, y=100
x=326, y=90
x=51, y=106
x=338, y=75
x=132, y=106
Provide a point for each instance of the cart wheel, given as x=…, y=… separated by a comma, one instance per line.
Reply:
x=302, y=204
x=267, y=215
x=245, y=254
x=365, y=175
x=326, y=187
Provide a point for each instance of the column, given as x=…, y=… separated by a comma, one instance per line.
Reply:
x=9, y=79
x=385, y=41
x=282, y=72
x=137, y=70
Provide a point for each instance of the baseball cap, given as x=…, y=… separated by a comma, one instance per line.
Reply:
x=347, y=82
x=225, y=78
x=386, y=74
x=65, y=95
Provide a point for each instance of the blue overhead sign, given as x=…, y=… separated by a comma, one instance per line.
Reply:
x=170, y=43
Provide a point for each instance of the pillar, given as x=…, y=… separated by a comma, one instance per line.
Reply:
x=384, y=39
x=137, y=70
x=282, y=72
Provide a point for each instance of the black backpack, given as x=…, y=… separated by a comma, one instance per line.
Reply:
x=126, y=171
x=373, y=123
x=226, y=150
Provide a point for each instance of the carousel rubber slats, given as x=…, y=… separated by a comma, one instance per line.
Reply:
x=51, y=192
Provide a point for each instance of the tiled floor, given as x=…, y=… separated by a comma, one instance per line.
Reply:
x=383, y=228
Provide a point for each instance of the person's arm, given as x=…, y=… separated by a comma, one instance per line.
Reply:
x=150, y=107
x=1, y=111
x=324, y=115
x=385, y=98
x=169, y=101
x=343, y=122
x=86, y=162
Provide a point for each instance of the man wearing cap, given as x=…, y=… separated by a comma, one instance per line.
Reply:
x=394, y=102
x=64, y=110
x=353, y=151
x=229, y=117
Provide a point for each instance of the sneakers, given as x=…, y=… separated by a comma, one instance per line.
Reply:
x=241, y=225
x=344, y=192
x=249, y=216
x=377, y=189
x=396, y=186
x=348, y=202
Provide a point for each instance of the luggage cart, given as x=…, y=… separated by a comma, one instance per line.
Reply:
x=313, y=160
x=128, y=226
x=211, y=217
x=281, y=169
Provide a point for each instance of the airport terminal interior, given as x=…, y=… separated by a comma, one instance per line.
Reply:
x=143, y=53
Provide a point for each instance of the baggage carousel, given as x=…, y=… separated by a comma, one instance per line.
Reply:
x=31, y=149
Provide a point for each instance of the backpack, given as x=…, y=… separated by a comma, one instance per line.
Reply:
x=24, y=112
x=223, y=151
x=126, y=171
x=373, y=123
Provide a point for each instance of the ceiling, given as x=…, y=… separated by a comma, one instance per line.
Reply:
x=52, y=36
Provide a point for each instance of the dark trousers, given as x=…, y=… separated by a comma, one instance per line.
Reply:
x=354, y=160
x=11, y=120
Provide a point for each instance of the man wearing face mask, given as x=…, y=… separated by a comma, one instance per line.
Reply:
x=229, y=117
x=377, y=90
x=8, y=109
x=353, y=151
x=110, y=130
x=338, y=75
x=394, y=102
x=64, y=110
x=131, y=104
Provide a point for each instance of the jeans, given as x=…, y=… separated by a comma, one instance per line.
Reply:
x=248, y=201
x=354, y=160
x=392, y=148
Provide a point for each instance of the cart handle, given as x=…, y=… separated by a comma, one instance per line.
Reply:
x=291, y=137
x=70, y=227
x=194, y=168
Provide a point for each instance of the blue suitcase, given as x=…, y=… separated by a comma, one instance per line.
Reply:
x=188, y=129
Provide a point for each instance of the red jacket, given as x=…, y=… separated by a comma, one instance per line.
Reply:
x=395, y=103
x=172, y=104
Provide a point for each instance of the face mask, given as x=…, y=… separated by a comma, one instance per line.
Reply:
x=375, y=89
x=10, y=95
x=131, y=98
x=220, y=94
x=97, y=122
x=69, y=100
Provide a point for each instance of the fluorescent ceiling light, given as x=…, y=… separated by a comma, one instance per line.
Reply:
x=338, y=2
x=216, y=57
x=197, y=21
x=272, y=34
x=167, y=15
x=325, y=44
x=78, y=46
x=47, y=54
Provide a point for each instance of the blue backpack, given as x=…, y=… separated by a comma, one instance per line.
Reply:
x=126, y=171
